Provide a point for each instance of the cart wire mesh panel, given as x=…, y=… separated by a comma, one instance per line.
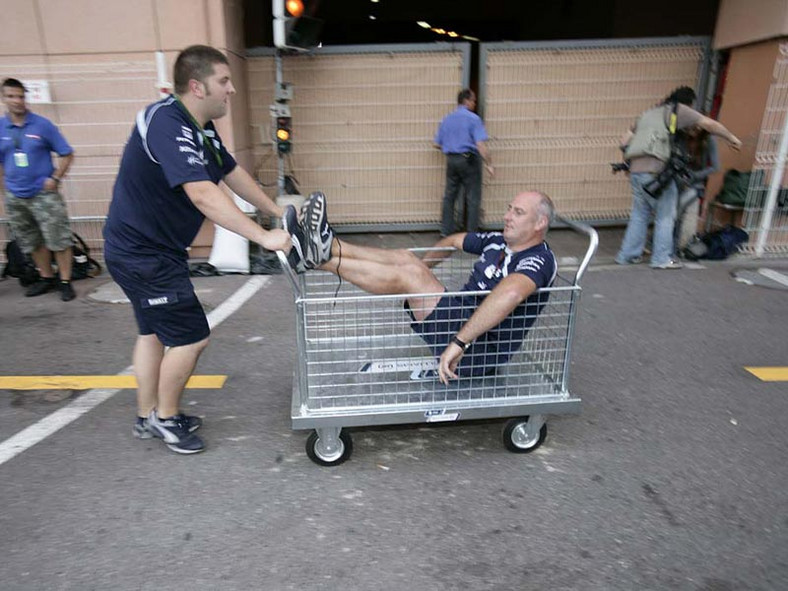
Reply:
x=360, y=362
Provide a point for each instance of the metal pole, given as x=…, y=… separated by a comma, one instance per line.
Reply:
x=280, y=156
x=774, y=186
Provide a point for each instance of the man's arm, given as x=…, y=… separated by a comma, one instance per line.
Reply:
x=63, y=164
x=506, y=296
x=718, y=129
x=433, y=257
x=485, y=154
x=625, y=139
x=217, y=206
x=243, y=185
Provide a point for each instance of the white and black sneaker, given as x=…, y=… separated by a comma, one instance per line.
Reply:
x=140, y=429
x=175, y=433
x=319, y=234
x=297, y=255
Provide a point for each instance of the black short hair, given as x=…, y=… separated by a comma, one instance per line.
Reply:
x=683, y=95
x=13, y=83
x=195, y=63
x=464, y=95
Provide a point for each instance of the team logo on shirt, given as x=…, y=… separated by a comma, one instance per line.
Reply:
x=533, y=263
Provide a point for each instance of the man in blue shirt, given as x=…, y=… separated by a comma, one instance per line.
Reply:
x=471, y=334
x=166, y=186
x=36, y=210
x=461, y=136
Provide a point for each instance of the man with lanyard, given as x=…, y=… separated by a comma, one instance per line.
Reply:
x=36, y=210
x=166, y=186
x=471, y=335
x=461, y=136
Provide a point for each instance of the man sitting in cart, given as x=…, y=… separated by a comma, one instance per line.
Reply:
x=470, y=334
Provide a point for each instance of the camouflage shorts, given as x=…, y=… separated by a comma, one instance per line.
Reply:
x=38, y=220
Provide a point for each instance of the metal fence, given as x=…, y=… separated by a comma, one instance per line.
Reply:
x=766, y=209
x=364, y=118
x=557, y=110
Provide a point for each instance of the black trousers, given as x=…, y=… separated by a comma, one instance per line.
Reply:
x=462, y=171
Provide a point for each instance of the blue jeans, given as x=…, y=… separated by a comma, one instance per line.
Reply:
x=643, y=205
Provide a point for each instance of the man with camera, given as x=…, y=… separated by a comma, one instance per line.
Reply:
x=654, y=164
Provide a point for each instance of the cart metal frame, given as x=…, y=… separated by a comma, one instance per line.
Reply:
x=360, y=364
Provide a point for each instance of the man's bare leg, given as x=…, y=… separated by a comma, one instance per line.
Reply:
x=176, y=369
x=64, y=259
x=42, y=257
x=148, y=355
x=386, y=272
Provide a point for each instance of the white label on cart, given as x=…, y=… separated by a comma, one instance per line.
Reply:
x=400, y=365
x=440, y=416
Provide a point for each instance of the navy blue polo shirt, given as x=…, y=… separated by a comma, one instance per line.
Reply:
x=495, y=262
x=36, y=138
x=150, y=213
x=459, y=131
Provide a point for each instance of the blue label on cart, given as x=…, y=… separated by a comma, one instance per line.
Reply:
x=440, y=416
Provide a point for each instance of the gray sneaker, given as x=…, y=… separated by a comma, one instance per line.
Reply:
x=318, y=231
x=140, y=429
x=297, y=255
x=671, y=264
x=174, y=431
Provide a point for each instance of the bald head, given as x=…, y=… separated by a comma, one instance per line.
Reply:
x=527, y=219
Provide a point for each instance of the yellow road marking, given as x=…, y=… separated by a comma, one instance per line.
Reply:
x=769, y=374
x=90, y=382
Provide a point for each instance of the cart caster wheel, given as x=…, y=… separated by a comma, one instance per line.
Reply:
x=331, y=457
x=520, y=437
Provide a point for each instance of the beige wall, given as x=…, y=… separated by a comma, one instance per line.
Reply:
x=90, y=50
x=740, y=22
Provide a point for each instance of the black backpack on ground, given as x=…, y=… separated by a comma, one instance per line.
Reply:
x=717, y=245
x=21, y=266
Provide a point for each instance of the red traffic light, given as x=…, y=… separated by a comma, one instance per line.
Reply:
x=294, y=7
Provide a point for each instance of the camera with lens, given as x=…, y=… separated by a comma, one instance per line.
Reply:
x=677, y=167
x=620, y=166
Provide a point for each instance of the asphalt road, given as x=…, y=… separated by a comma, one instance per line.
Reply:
x=672, y=477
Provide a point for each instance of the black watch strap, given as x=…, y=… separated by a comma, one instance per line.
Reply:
x=459, y=343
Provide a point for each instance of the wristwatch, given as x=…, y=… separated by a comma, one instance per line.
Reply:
x=54, y=178
x=462, y=344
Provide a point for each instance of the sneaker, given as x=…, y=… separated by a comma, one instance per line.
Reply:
x=66, y=291
x=296, y=256
x=40, y=287
x=140, y=429
x=630, y=261
x=318, y=231
x=174, y=431
x=671, y=264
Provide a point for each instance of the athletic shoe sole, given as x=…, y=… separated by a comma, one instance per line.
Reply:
x=319, y=233
x=297, y=257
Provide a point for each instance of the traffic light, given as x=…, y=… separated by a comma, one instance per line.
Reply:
x=284, y=134
x=295, y=25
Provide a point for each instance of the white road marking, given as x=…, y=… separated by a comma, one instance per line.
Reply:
x=774, y=276
x=50, y=424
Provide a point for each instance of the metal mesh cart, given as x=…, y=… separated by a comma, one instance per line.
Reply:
x=359, y=363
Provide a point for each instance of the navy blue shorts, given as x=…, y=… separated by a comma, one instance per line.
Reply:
x=162, y=296
x=485, y=354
